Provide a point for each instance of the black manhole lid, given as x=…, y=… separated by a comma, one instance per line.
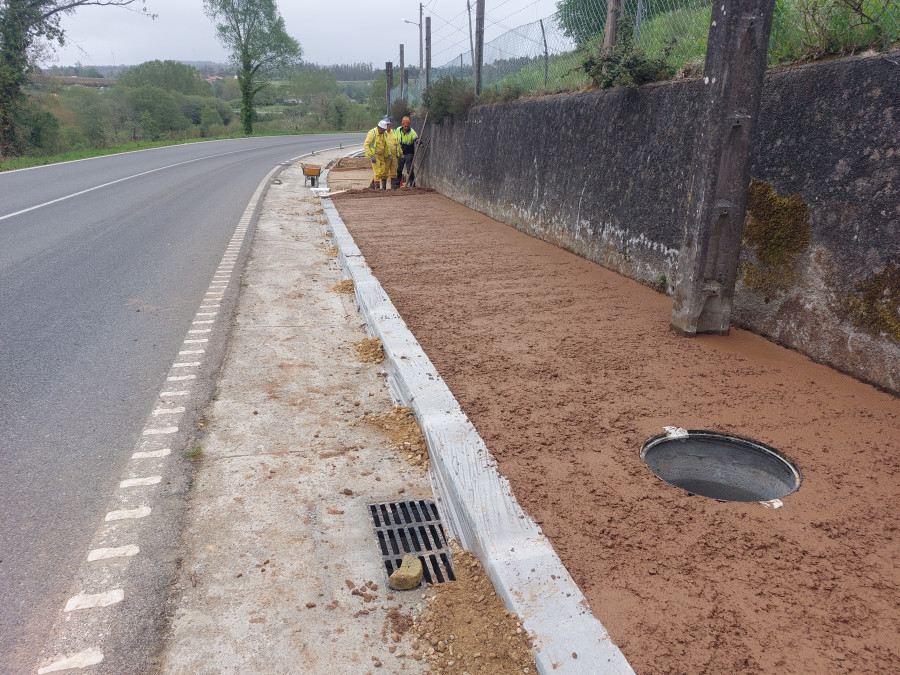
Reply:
x=720, y=466
x=413, y=527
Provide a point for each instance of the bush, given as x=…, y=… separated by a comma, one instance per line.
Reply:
x=448, y=97
x=626, y=65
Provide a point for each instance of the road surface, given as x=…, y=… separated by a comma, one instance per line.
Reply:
x=103, y=264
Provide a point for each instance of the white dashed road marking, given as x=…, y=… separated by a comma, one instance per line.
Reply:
x=152, y=454
x=108, y=553
x=85, y=601
x=89, y=657
x=156, y=432
x=140, y=482
x=128, y=514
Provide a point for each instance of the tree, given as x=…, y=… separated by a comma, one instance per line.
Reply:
x=253, y=32
x=22, y=23
x=168, y=75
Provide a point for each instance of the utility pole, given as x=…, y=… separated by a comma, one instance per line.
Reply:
x=402, y=70
x=717, y=193
x=546, y=55
x=427, y=51
x=479, y=43
x=471, y=37
x=389, y=83
x=420, y=39
x=612, y=19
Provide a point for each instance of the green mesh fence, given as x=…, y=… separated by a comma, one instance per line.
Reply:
x=544, y=56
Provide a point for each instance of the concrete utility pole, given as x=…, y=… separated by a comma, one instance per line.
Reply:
x=389, y=83
x=717, y=197
x=405, y=84
x=479, y=43
x=420, y=40
x=610, y=36
x=427, y=51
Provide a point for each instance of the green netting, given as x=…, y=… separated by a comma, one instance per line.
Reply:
x=544, y=56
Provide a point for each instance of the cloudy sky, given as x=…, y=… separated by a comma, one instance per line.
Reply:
x=330, y=31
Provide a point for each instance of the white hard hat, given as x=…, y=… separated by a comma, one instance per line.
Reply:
x=383, y=124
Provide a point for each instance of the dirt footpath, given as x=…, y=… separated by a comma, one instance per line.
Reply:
x=566, y=369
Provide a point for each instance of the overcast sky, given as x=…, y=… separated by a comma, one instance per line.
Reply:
x=330, y=31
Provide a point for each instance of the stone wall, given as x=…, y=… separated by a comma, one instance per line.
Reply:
x=603, y=174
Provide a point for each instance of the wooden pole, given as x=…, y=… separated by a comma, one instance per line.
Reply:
x=546, y=56
x=612, y=18
x=479, y=43
x=389, y=83
x=402, y=68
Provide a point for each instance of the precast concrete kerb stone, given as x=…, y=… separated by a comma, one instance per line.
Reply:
x=476, y=501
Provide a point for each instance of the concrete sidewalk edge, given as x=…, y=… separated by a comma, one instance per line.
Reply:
x=476, y=500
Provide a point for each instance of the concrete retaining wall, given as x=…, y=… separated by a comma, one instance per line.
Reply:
x=603, y=174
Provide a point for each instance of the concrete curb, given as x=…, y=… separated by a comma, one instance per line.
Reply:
x=476, y=501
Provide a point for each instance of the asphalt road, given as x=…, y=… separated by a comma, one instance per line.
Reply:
x=103, y=264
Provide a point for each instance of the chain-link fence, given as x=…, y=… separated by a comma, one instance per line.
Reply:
x=545, y=56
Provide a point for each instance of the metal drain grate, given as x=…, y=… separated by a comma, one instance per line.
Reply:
x=413, y=527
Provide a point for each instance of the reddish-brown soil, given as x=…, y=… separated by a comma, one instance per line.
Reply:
x=566, y=368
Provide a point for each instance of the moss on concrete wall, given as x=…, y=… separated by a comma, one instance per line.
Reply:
x=777, y=230
x=875, y=303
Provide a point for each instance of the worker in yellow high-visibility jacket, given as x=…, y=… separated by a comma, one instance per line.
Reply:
x=378, y=150
x=394, y=154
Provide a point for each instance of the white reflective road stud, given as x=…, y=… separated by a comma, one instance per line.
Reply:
x=140, y=482
x=89, y=657
x=85, y=601
x=128, y=514
x=107, y=553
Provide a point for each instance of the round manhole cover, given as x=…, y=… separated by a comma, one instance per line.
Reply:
x=720, y=466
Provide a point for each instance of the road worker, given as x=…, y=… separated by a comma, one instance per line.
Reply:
x=377, y=149
x=394, y=154
x=408, y=138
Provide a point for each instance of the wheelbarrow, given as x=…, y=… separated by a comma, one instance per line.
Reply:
x=311, y=174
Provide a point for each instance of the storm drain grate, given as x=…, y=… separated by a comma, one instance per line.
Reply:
x=413, y=527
